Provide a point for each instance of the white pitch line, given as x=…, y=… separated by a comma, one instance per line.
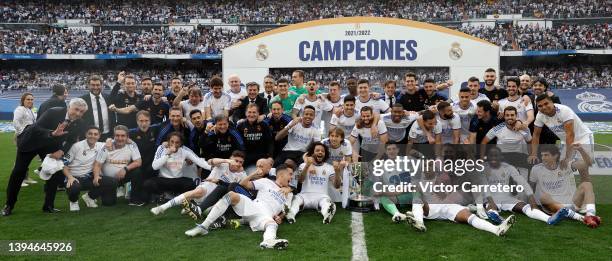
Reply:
x=360, y=251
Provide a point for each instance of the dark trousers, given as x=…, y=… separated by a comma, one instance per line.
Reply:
x=22, y=161
x=109, y=189
x=159, y=185
x=85, y=183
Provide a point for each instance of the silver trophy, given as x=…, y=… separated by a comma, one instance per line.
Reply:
x=359, y=202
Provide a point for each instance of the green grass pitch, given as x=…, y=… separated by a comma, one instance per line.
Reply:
x=130, y=233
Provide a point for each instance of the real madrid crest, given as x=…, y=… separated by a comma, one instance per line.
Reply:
x=262, y=52
x=455, y=51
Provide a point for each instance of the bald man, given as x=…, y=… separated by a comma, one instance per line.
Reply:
x=525, y=86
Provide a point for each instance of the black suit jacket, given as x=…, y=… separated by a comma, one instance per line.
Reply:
x=88, y=117
x=37, y=137
x=261, y=102
x=50, y=103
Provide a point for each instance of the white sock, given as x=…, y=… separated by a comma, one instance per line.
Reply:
x=535, y=213
x=590, y=209
x=295, y=205
x=481, y=224
x=417, y=211
x=324, y=205
x=575, y=216
x=270, y=231
x=173, y=202
x=217, y=210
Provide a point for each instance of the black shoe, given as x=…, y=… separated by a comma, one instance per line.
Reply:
x=137, y=203
x=50, y=210
x=219, y=223
x=6, y=211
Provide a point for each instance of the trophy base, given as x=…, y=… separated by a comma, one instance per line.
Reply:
x=361, y=204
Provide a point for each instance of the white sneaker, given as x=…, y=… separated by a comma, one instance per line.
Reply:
x=327, y=216
x=196, y=231
x=416, y=224
x=157, y=210
x=91, y=203
x=30, y=181
x=24, y=184
x=121, y=191
x=503, y=228
x=398, y=217
x=74, y=206
x=278, y=244
x=128, y=187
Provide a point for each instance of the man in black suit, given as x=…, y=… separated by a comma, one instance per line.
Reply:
x=252, y=97
x=58, y=99
x=269, y=86
x=53, y=133
x=101, y=118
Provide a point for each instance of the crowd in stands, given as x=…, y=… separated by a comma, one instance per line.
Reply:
x=564, y=77
x=58, y=41
x=291, y=11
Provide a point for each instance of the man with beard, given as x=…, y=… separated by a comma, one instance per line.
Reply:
x=277, y=121
x=176, y=85
x=124, y=103
x=494, y=93
x=98, y=113
x=397, y=124
x=411, y=98
x=257, y=138
x=315, y=183
x=512, y=138
x=175, y=123
x=351, y=86
x=320, y=104
x=301, y=133
x=146, y=86
x=466, y=110
x=540, y=86
x=157, y=108
x=216, y=102
x=431, y=95
x=524, y=111
x=194, y=102
x=221, y=140
x=449, y=123
x=484, y=120
x=369, y=136
x=198, y=129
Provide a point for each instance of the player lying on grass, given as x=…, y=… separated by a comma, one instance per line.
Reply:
x=390, y=199
x=432, y=205
x=556, y=187
x=224, y=171
x=315, y=183
x=264, y=213
x=498, y=172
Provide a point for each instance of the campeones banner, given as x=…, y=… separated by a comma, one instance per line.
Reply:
x=361, y=42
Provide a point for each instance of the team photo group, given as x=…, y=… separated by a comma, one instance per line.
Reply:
x=258, y=155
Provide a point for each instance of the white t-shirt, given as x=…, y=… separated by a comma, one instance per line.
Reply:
x=521, y=109
x=447, y=127
x=344, y=122
x=217, y=105
x=320, y=106
x=509, y=140
x=80, y=158
x=418, y=135
x=236, y=96
x=562, y=115
x=222, y=172
x=465, y=115
x=397, y=131
x=378, y=106
x=113, y=161
x=502, y=175
x=171, y=166
x=270, y=194
x=319, y=182
x=300, y=137
x=480, y=97
x=558, y=183
x=339, y=153
x=188, y=107
x=368, y=142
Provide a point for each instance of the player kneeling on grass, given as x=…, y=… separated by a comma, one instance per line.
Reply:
x=224, y=171
x=264, y=213
x=432, y=205
x=390, y=199
x=556, y=187
x=315, y=183
x=498, y=172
